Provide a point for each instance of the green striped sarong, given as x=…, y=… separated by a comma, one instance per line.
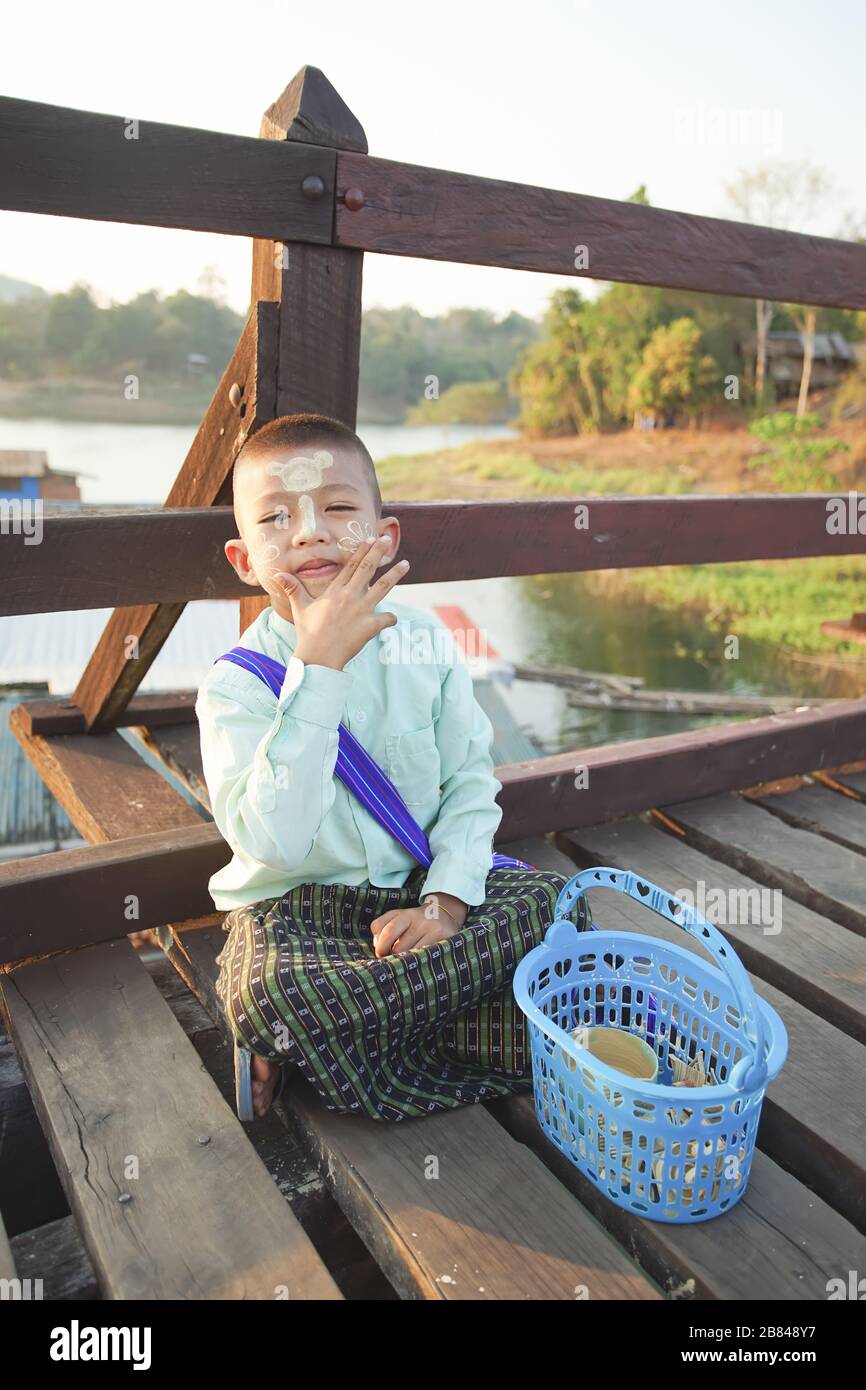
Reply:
x=401, y=1037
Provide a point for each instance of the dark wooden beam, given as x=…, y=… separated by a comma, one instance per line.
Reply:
x=111, y=796
x=70, y=163
x=59, y=716
x=597, y=784
x=169, y=556
x=441, y=215
x=316, y=289
x=78, y=897
x=135, y=632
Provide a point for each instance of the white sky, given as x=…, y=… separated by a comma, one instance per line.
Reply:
x=583, y=95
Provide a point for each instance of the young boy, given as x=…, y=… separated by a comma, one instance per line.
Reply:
x=387, y=983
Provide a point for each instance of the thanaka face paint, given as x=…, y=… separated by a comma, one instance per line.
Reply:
x=356, y=535
x=266, y=551
x=299, y=474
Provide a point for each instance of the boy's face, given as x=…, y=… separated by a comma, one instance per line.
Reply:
x=303, y=511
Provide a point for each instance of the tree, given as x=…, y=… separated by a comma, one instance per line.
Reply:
x=548, y=379
x=467, y=402
x=70, y=320
x=806, y=318
x=577, y=378
x=784, y=193
x=674, y=375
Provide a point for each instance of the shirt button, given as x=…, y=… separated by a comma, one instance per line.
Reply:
x=360, y=716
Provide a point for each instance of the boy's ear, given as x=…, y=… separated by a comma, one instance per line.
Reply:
x=389, y=526
x=238, y=557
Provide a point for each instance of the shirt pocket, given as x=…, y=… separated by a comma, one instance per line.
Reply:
x=413, y=766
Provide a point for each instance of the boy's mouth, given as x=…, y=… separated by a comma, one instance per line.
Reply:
x=315, y=569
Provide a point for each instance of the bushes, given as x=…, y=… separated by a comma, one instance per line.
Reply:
x=796, y=461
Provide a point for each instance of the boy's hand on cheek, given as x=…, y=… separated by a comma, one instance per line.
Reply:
x=403, y=929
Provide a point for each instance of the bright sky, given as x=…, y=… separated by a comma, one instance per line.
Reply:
x=593, y=96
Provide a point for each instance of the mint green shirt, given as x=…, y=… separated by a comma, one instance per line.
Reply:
x=269, y=763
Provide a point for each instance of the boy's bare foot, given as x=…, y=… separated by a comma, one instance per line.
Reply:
x=265, y=1076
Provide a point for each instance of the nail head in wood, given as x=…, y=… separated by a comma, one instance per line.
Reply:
x=313, y=186
x=354, y=199
x=235, y=394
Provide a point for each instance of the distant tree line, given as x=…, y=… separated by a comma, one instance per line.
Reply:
x=71, y=335
x=407, y=360
x=633, y=355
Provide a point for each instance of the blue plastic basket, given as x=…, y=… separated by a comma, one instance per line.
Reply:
x=669, y=1153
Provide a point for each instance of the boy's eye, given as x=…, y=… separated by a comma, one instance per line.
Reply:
x=336, y=507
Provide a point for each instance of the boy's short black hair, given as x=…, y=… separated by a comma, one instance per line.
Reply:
x=309, y=431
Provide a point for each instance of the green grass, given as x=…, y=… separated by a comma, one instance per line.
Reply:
x=481, y=471
x=780, y=601
x=772, y=601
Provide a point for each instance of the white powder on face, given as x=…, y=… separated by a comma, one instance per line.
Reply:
x=308, y=516
x=300, y=474
x=355, y=535
x=265, y=549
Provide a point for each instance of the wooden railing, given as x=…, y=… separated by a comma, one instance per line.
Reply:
x=313, y=201
x=176, y=555
x=84, y=164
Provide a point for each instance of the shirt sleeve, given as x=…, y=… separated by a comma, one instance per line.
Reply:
x=270, y=774
x=461, y=841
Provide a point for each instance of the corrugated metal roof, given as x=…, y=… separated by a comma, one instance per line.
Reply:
x=29, y=812
x=55, y=647
x=793, y=343
x=23, y=463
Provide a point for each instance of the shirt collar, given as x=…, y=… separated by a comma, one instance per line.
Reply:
x=283, y=628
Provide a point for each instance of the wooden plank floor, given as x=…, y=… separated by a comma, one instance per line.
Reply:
x=811, y=1121
x=115, y=1082
x=780, y=1242
x=150, y=1156
x=801, y=1221
x=419, y=1228
x=811, y=869
x=796, y=1239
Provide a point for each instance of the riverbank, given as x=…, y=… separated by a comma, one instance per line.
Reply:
x=103, y=403
x=159, y=402
x=779, y=602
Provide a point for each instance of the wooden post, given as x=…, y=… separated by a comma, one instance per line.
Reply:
x=311, y=365
x=317, y=288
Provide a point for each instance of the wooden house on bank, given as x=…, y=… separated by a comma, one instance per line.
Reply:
x=25, y=475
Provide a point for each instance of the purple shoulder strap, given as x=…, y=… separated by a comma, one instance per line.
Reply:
x=359, y=772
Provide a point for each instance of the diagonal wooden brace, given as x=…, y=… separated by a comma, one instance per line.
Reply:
x=244, y=400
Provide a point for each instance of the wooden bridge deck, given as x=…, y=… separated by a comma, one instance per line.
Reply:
x=157, y=1191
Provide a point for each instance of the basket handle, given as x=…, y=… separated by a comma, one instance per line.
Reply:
x=749, y=1072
